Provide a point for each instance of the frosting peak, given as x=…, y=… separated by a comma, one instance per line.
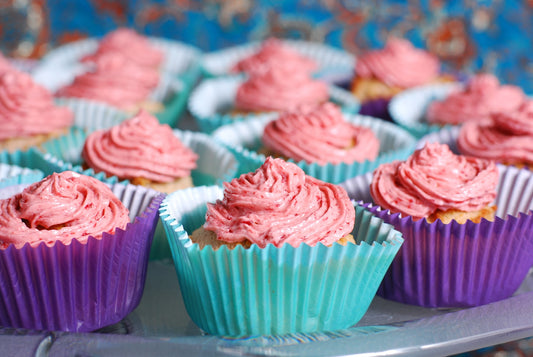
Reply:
x=274, y=52
x=279, y=204
x=320, y=134
x=27, y=108
x=399, y=64
x=61, y=207
x=480, y=98
x=139, y=147
x=432, y=179
x=278, y=89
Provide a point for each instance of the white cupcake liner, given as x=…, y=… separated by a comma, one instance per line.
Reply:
x=31, y=159
x=459, y=265
x=244, y=292
x=244, y=139
x=210, y=101
x=408, y=108
x=334, y=65
x=8, y=171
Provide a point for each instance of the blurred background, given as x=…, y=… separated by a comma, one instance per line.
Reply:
x=489, y=35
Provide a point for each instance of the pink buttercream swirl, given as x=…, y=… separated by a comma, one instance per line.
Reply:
x=319, y=134
x=507, y=137
x=114, y=80
x=62, y=207
x=139, y=147
x=273, y=53
x=131, y=45
x=27, y=108
x=280, y=89
x=5, y=65
x=278, y=204
x=477, y=101
x=399, y=64
x=432, y=179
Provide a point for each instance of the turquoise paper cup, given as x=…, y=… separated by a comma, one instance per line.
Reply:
x=274, y=291
x=244, y=139
x=210, y=101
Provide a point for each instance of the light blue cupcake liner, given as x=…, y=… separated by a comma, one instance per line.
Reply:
x=273, y=291
x=244, y=139
x=14, y=178
x=408, y=108
x=334, y=65
x=210, y=101
x=30, y=159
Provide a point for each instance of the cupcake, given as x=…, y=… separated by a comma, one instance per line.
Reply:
x=506, y=137
x=326, y=143
x=142, y=151
x=327, y=63
x=28, y=114
x=319, y=134
x=226, y=100
x=273, y=236
x=87, y=261
x=381, y=74
x=482, y=96
x=457, y=251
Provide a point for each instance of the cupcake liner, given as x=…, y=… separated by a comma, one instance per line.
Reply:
x=215, y=163
x=80, y=287
x=245, y=292
x=377, y=108
x=460, y=265
x=408, y=108
x=13, y=179
x=335, y=65
x=180, y=59
x=446, y=136
x=244, y=139
x=210, y=101
x=8, y=171
x=173, y=93
x=31, y=159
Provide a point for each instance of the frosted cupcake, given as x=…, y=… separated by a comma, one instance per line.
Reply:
x=506, y=137
x=381, y=74
x=458, y=252
x=74, y=234
x=278, y=227
x=28, y=114
x=326, y=143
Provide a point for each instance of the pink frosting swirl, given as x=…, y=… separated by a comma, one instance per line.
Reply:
x=131, y=45
x=27, y=108
x=320, y=134
x=399, y=64
x=506, y=138
x=434, y=178
x=280, y=89
x=279, y=204
x=273, y=53
x=139, y=147
x=482, y=96
x=5, y=65
x=114, y=80
x=61, y=207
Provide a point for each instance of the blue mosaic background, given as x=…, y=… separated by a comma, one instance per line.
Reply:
x=493, y=36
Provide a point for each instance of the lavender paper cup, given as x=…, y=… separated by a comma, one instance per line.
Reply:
x=80, y=287
x=460, y=265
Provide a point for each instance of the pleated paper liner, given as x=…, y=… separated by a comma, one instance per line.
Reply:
x=11, y=183
x=334, y=65
x=408, y=109
x=30, y=159
x=244, y=139
x=8, y=171
x=377, y=108
x=273, y=291
x=81, y=287
x=460, y=265
x=211, y=101
x=179, y=59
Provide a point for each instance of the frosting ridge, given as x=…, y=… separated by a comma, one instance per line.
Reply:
x=278, y=204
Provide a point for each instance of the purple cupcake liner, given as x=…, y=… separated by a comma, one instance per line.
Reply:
x=377, y=108
x=460, y=265
x=81, y=287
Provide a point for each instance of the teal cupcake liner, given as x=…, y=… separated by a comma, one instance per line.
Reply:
x=334, y=64
x=31, y=159
x=244, y=139
x=211, y=101
x=274, y=291
x=8, y=171
x=408, y=109
x=13, y=179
